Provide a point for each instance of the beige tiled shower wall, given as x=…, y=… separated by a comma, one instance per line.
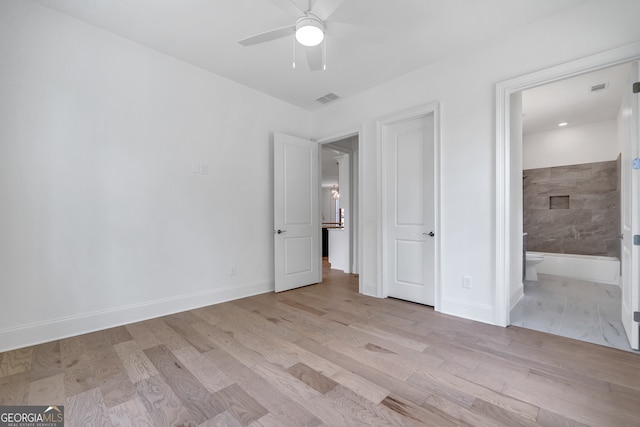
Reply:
x=591, y=223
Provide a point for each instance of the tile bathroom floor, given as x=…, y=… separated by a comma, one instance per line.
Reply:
x=572, y=308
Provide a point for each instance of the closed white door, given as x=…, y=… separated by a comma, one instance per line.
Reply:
x=409, y=266
x=628, y=132
x=297, y=260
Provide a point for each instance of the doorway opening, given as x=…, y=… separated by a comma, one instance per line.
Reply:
x=509, y=225
x=339, y=203
x=571, y=207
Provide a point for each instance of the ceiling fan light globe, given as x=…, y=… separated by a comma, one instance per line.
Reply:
x=309, y=31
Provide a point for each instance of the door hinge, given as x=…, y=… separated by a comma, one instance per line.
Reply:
x=636, y=87
x=635, y=163
x=636, y=316
x=636, y=239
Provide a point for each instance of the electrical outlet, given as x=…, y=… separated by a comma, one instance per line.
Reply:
x=195, y=168
x=466, y=282
x=204, y=168
x=232, y=270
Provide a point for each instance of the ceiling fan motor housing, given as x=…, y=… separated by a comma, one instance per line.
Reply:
x=309, y=30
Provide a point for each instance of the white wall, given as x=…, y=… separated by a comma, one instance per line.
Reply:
x=571, y=145
x=465, y=87
x=102, y=221
x=328, y=205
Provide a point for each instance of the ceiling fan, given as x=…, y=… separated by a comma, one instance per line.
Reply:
x=310, y=28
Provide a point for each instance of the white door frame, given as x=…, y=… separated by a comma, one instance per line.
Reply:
x=356, y=223
x=413, y=113
x=505, y=209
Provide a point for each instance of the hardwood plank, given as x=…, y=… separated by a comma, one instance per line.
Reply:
x=14, y=389
x=16, y=361
x=131, y=413
x=390, y=336
x=118, y=335
x=224, y=419
x=135, y=362
x=302, y=394
x=502, y=415
x=396, y=367
x=143, y=335
x=358, y=411
x=292, y=324
x=303, y=307
x=207, y=372
x=184, y=384
x=576, y=405
x=167, y=336
x=365, y=388
x=208, y=314
x=281, y=408
x=268, y=348
x=382, y=379
x=80, y=377
x=312, y=378
x=227, y=342
x=47, y=360
x=240, y=404
x=418, y=413
x=163, y=407
x=190, y=335
x=465, y=415
x=87, y=409
x=550, y=419
x=47, y=391
x=467, y=393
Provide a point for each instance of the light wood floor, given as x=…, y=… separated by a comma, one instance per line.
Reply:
x=324, y=355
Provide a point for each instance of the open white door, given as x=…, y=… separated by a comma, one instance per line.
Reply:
x=296, y=212
x=628, y=132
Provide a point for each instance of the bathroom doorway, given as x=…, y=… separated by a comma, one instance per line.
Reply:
x=571, y=207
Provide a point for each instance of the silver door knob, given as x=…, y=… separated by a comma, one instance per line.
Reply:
x=281, y=231
x=430, y=234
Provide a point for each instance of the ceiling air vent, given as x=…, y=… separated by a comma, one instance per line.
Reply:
x=327, y=98
x=599, y=87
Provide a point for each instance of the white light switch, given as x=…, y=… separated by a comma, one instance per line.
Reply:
x=195, y=168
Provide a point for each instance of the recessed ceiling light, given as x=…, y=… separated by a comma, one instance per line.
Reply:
x=563, y=124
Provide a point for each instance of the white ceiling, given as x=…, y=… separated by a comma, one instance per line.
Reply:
x=406, y=34
x=572, y=101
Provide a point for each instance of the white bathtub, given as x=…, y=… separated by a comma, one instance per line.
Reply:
x=600, y=269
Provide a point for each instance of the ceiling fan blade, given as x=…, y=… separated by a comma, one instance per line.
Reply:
x=268, y=36
x=289, y=6
x=314, y=57
x=323, y=9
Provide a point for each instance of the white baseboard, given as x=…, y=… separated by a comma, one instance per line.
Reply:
x=50, y=330
x=370, y=289
x=469, y=310
x=516, y=296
